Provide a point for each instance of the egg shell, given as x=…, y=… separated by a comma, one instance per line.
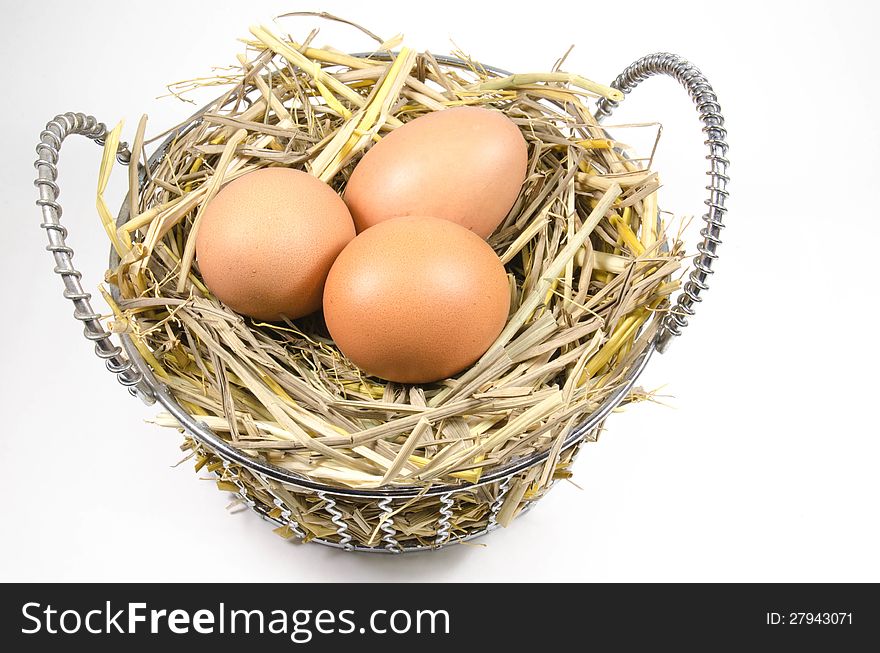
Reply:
x=465, y=164
x=267, y=240
x=416, y=299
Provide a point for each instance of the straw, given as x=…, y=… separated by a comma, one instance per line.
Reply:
x=590, y=270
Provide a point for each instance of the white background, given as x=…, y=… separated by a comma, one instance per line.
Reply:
x=766, y=468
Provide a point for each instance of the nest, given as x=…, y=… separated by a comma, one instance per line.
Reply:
x=588, y=260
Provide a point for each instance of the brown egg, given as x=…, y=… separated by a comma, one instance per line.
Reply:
x=267, y=240
x=465, y=164
x=416, y=299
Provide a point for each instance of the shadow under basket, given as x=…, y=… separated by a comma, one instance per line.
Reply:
x=397, y=518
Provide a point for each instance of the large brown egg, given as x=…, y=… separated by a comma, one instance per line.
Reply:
x=267, y=240
x=465, y=164
x=416, y=299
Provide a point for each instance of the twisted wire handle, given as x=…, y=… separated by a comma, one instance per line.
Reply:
x=51, y=139
x=701, y=92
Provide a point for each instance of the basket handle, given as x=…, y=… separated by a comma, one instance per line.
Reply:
x=48, y=148
x=689, y=76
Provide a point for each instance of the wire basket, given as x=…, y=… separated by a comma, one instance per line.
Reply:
x=368, y=520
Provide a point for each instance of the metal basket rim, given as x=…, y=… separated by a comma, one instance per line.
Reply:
x=201, y=432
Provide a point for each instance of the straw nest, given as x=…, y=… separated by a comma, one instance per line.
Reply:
x=589, y=265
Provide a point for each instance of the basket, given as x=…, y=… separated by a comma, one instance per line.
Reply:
x=369, y=520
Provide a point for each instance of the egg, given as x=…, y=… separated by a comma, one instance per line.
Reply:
x=267, y=240
x=416, y=299
x=465, y=164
